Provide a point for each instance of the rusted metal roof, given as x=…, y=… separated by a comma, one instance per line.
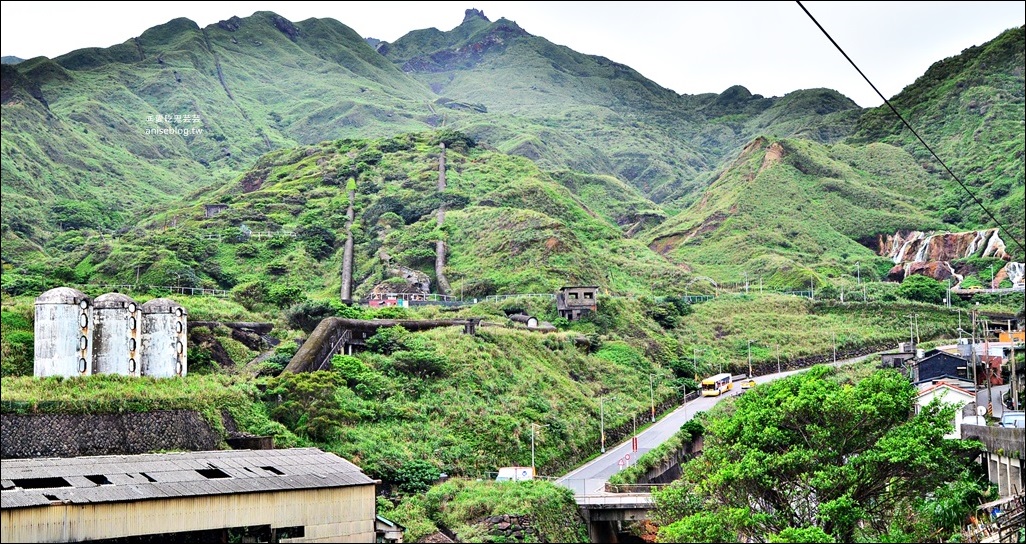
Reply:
x=73, y=480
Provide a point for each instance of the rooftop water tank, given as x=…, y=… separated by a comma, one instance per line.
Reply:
x=116, y=335
x=163, y=352
x=63, y=332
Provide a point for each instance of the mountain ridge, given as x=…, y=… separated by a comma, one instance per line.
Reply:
x=581, y=117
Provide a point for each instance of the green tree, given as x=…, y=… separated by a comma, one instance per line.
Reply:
x=306, y=402
x=922, y=289
x=812, y=457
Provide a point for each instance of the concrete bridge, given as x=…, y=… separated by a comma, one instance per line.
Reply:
x=604, y=512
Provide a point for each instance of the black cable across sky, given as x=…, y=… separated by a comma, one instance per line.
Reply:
x=913, y=131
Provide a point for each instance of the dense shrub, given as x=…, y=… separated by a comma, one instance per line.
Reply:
x=922, y=289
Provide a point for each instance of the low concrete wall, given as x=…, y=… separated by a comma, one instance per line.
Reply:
x=1004, y=457
x=1009, y=442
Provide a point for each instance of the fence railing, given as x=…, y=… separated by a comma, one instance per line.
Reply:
x=497, y=298
x=414, y=297
x=143, y=288
x=252, y=234
x=633, y=488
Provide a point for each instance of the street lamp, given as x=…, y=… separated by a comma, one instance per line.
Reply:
x=635, y=437
x=533, y=425
x=858, y=272
x=651, y=394
x=602, y=423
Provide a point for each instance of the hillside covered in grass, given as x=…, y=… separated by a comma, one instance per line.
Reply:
x=509, y=228
x=530, y=97
x=182, y=107
x=970, y=110
x=793, y=212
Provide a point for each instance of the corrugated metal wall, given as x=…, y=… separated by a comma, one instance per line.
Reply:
x=329, y=515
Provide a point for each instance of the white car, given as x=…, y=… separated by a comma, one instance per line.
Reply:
x=1013, y=419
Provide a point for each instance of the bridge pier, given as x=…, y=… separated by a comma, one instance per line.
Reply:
x=606, y=512
x=600, y=531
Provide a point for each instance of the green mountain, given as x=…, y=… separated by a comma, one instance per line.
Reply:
x=98, y=142
x=533, y=98
x=969, y=109
x=179, y=107
x=791, y=211
x=224, y=84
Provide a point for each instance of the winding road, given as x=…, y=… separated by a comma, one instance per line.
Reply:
x=591, y=477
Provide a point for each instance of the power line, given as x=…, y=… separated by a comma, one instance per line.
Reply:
x=913, y=131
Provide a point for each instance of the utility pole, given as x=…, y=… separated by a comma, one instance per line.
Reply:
x=602, y=424
x=1014, y=382
x=776, y=349
x=989, y=368
x=858, y=272
x=972, y=356
x=749, y=359
x=834, y=336
x=533, y=424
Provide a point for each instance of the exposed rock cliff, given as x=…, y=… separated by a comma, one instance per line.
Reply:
x=930, y=254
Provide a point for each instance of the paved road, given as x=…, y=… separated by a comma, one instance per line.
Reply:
x=997, y=394
x=591, y=477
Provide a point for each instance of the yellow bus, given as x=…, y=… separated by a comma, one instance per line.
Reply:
x=714, y=386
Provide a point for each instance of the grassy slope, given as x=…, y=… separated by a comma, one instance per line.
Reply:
x=513, y=227
x=793, y=204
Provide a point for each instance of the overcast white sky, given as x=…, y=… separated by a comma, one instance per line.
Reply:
x=772, y=48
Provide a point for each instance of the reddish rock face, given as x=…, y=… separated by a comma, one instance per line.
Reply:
x=918, y=246
x=931, y=254
x=938, y=270
x=897, y=273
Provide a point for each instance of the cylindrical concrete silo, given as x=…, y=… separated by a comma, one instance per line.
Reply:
x=116, y=335
x=162, y=347
x=63, y=328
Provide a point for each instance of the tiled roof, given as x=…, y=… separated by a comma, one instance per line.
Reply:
x=112, y=478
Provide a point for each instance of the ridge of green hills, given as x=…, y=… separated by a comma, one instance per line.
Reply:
x=675, y=172
x=510, y=227
x=567, y=110
x=840, y=200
